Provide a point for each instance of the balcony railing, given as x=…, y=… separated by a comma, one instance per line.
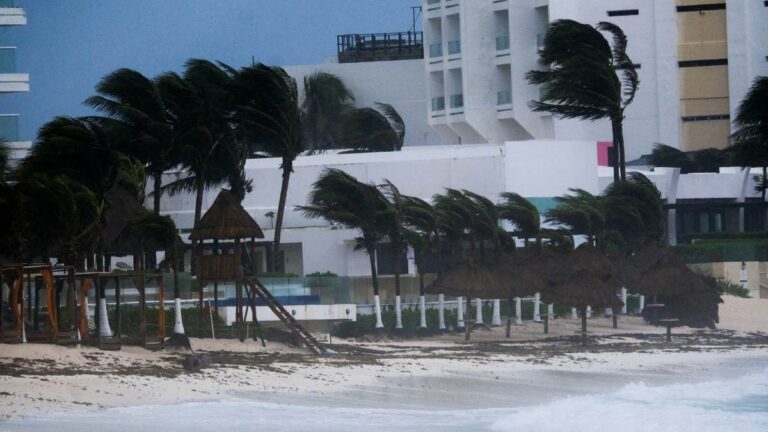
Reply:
x=436, y=50
x=454, y=47
x=457, y=101
x=7, y=60
x=438, y=103
x=355, y=48
x=433, y=1
x=540, y=40
x=504, y=97
x=9, y=127
x=502, y=42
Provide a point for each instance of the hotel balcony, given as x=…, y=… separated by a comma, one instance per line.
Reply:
x=438, y=104
x=10, y=81
x=9, y=132
x=502, y=43
x=454, y=47
x=11, y=15
x=435, y=50
x=357, y=48
x=457, y=101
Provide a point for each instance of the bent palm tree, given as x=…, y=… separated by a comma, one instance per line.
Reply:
x=421, y=232
x=397, y=235
x=368, y=130
x=267, y=114
x=339, y=197
x=326, y=97
x=751, y=132
x=522, y=214
x=582, y=80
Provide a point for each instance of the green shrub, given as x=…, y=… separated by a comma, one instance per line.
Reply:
x=727, y=287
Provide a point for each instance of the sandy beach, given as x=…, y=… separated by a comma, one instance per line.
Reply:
x=38, y=379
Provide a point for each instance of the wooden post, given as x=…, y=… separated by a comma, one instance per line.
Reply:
x=29, y=297
x=142, y=308
x=161, y=306
x=584, y=326
x=546, y=323
x=97, y=309
x=117, y=308
x=509, y=326
x=74, y=314
x=36, y=311
x=669, y=333
x=615, y=321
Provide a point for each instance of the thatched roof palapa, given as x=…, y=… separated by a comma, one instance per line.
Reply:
x=226, y=219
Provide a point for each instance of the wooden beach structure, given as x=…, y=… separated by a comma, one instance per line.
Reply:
x=226, y=223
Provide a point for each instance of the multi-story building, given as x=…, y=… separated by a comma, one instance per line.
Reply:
x=11, y=80
x=696, y=60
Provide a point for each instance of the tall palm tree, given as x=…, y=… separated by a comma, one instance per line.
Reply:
x=326, y=98
x=523, y=215
x=368, y=130
x=751, y=132
x=581, y=81
x=340, y=198
x=134, y=100
x=268, y=117
x=397, y=240
x=421, y=232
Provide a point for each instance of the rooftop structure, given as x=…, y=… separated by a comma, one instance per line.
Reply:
x=355, y=48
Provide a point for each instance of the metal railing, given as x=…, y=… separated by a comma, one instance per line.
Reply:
x=438, y=103
x=454, y=47
x=7, y=60
x=502, y=42
x=540, y=40
x=354, y=48
x=9, y=127
x=504, y=97
x=433, y=1
x=457, y=101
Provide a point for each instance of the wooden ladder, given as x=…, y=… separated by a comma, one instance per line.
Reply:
x=287, y=319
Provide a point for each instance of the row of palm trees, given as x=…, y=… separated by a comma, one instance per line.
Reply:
x=460, y=226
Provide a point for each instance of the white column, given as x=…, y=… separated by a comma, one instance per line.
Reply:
x=642, y=303
x=422, y=312
x=478, y=311
x=551, y=311
x=459, y=312
x=178, y=326
x=398, y=314
x=608, y=311
x=589, y=311
x=574, y=314
x=518, y=311
x=377, y=311
x=441, y=311
x=536, y=307
x=624, y=300
x=104, y=329
x=23, y=331
x=496, y=321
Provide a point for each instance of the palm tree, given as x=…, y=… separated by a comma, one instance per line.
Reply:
x=134, y=100
x=421, y=232
x=368, y=130
x=581, y=213
x=268, y=117
x=326, y=98
x=340, y=198
x=581, y=81
x=751, y=132
x=397, y=240
x=523, y=215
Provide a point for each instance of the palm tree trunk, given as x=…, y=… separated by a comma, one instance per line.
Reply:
x=584, y=326
x=157, y=178
x=615, y=158
x=200, y=186
x=618, y=142
x=375, y=281
x=398, y=304
x=422, y=300
x=762, y=195
x=276, y=255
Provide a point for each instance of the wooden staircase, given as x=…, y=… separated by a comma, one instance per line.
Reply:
x=287, y=319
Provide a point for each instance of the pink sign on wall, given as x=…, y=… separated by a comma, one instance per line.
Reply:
x=602, y=152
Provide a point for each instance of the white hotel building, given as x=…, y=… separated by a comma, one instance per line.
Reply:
x=11, y=81
x=464, y=99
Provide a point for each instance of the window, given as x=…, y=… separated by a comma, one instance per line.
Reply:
x=701, y=7
x=696, y=63
x=623, y=12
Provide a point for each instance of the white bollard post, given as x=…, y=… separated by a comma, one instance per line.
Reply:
x=459, y=312
x=441, y=311
x=624, y=300
x=537, y=307
x=422, y=312
x=398, y=314
x=574, y=314
x=104, y=329
x=551, y=311
x=589, y=311
x=377, y=311
x=496, y=320
x=642, y=303
x=518, y=311
x=608, y=312
x=178, y=326
x=23, y=331
x=479, y=311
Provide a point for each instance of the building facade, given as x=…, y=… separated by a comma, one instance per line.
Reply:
x=11, y=80
x=695, y=58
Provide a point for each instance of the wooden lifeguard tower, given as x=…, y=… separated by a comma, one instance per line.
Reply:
x=226, y=220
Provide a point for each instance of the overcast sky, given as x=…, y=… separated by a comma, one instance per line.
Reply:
x=68, y=45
